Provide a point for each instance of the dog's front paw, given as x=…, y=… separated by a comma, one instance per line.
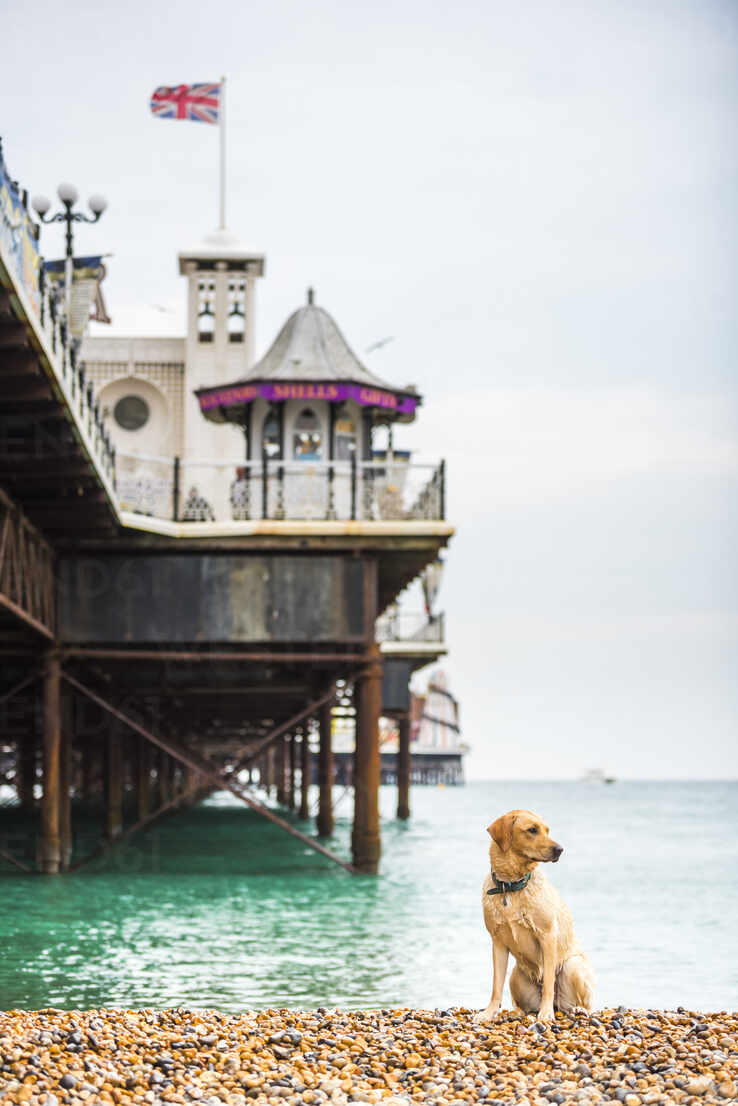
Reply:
x=546, y=1014
x=488, y=1015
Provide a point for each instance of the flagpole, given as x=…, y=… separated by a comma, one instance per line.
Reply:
x=221, y=123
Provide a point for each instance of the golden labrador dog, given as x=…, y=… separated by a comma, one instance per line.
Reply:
x=526, y=917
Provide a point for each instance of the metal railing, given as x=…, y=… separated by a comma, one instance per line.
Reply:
x=43, y=305
x=217, y=491
x=410, y=626
x=71, y=375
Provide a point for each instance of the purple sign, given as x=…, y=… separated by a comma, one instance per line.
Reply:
x=332, y=393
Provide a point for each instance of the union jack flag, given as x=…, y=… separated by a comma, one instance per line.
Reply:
x=197, y=102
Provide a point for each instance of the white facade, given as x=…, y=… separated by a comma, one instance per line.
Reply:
x=146, y=386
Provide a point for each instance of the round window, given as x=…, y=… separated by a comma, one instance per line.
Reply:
x=131, y=412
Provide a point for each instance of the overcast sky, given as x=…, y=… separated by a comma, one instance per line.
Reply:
x=538, y=203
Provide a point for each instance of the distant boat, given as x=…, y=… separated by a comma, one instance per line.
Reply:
x=596, y=775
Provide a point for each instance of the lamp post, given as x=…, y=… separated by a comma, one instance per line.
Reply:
x=69, y=195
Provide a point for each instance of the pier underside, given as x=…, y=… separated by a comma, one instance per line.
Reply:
x=119, y=701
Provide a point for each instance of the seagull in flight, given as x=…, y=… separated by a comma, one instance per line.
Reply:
x=380, y=343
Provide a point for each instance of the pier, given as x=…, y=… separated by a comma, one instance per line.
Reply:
x=184, y=591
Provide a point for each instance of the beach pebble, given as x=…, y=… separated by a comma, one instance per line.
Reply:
x=394, y=1057
x=700, y=1085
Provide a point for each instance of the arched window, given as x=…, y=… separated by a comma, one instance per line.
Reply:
x=205, y=324
x=345, y=442
x=307, y=441
x=236, y=324
x=270, y=436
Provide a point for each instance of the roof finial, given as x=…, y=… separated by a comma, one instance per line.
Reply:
x=311, y=295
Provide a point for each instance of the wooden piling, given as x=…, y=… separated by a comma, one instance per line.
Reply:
x=403, y=768
x=26, y=770
x=143, y=777
x=114, y=786
x=365, y=838
x=305, y=766
x=190, y=786
x=280, y=768
x=65, y=781
x=50, y=849
x=292, y=772
x=325, y=773
x=162, y=771
x=269, y=770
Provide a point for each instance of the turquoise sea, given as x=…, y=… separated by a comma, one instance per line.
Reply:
x=216, y=908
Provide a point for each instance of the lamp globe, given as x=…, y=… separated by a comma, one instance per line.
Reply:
x=67, y=193
x=97, y=203
x=41, y=205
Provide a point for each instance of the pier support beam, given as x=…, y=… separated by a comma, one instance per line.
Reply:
x=26, y=762
x=403, y=768
x=162, y=771
x=208, y=770
x=305, y=766
x=143, y=777
x=325, y=773
x=280, y=767
x=50, y=850
x=114, y=787
x=65, y=782
x=269, y=770
x=365, y=839
x=293, y=772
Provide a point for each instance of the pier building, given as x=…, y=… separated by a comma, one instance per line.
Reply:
x=195, y=548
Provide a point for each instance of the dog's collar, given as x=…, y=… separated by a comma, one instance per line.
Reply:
x=502, y=888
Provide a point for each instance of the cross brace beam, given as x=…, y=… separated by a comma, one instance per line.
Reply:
x=205, y=768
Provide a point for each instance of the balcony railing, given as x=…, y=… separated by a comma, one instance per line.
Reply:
x=207, y=491
x=410, y=626
x=43, y=306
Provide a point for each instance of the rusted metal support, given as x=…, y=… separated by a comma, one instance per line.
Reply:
x=292, y=771
x=325, y=772
x=142, y=823
x=205, y=656
x=143, y=777
x=305, y=766
x=114, y=785
x=403, y=768
x=165, y=790
x=49, y=851
x=26, y=770
x=365, y=839
x=25, y=682
x=252, y=753
x=280, y=768
x=269, y=772
x=207, y=770
x=191, y=784
x=65, y=781
x=16, y=863
x=26, y=570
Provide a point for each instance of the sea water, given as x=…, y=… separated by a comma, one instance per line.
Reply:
x=214, y=907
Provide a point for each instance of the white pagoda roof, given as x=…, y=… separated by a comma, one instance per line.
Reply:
x=311, y=347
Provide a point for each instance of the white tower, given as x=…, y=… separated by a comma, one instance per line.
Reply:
x=219, y=345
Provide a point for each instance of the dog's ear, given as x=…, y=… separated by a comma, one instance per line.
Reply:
x=501, y=831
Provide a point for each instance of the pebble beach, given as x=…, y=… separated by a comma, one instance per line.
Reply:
x=394, y=1056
